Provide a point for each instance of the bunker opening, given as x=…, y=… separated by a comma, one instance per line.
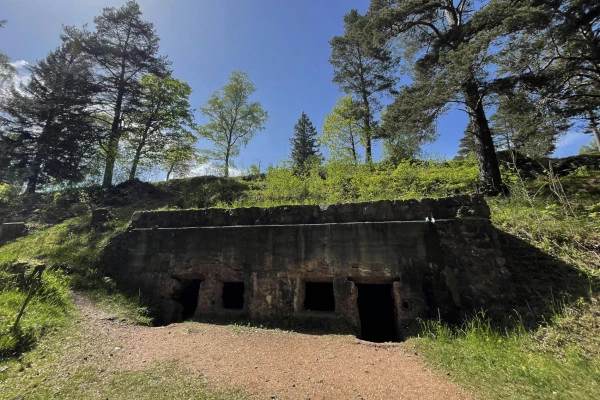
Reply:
x=318, y=296
x=376, y=312
x=187, y=296
x=233, y=295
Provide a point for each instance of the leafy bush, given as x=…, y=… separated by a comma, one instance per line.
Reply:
x=342, y=182
x=8, y=195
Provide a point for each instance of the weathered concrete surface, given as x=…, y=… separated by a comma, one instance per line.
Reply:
x=11, y=231
x=447, y=268
x=377, y=211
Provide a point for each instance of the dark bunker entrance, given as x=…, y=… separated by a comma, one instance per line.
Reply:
x=376, y=311
x=187, y=296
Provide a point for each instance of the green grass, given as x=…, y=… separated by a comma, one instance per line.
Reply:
x=70, y=250
x=551, y=245
x=509, y=364
x=161, y=381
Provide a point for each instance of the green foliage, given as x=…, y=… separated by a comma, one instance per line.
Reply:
x=181, y=156
x=8, y=194
x=448, y=50
x=589, y=148
x=48, y=134
x=410, y=120
x=525, y=125
x=342, y=132
x=233, y=121
x=72, y=251
x=364, y=69
x=6, y=69
x=156, y=127
x=124, y=47
x=304, y=144
x=206, y=191
x=507, y=363
x=342, y=182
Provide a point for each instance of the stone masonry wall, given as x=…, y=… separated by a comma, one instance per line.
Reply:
x=448, y=268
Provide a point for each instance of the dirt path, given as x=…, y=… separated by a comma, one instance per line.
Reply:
x=269, y=364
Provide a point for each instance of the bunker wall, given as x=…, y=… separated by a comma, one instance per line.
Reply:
x=447, y=268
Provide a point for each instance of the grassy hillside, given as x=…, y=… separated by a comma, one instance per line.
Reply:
x=549, y=227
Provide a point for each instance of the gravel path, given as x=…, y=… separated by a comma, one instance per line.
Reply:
x=269, y=364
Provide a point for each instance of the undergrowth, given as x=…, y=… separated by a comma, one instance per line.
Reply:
x=70, y=250
x=508, y=363
x=338, y=182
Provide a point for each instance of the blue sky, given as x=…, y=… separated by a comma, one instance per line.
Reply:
x=282, y=44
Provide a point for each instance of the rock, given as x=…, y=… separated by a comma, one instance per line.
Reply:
x=12, y=230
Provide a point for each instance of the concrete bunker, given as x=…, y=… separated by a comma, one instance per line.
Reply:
x=373, y=267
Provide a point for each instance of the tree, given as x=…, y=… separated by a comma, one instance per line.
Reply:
x=159, y=119
x=466, y=144
x=304, y=143
x=557, y=57
x=123, y=47
x=181, y=156
x=48, y=132
x=6, y=69
x=525, y=126
x=363, y=69
x=589, y=148
x=233, y=120
x=405, y=131
x=341, y=131
x=448, y=51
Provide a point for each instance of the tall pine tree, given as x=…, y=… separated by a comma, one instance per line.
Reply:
x=450, y=51
x=304, y=143
x=46, y=124
x=363, y=69
x=123, y=47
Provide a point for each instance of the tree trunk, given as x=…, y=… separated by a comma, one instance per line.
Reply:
x=227, y=163
x=367, y=123
x=32, y=179
x=595, y=130
x=169, y=171
x=489, y=170
x=134, y=164
x=353, y=146
x=112, y=151
x=138, y=153
x=114, y=137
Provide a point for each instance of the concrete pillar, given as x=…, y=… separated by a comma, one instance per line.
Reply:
x=346, y=301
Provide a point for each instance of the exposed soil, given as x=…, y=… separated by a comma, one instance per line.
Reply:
x=268, y=364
